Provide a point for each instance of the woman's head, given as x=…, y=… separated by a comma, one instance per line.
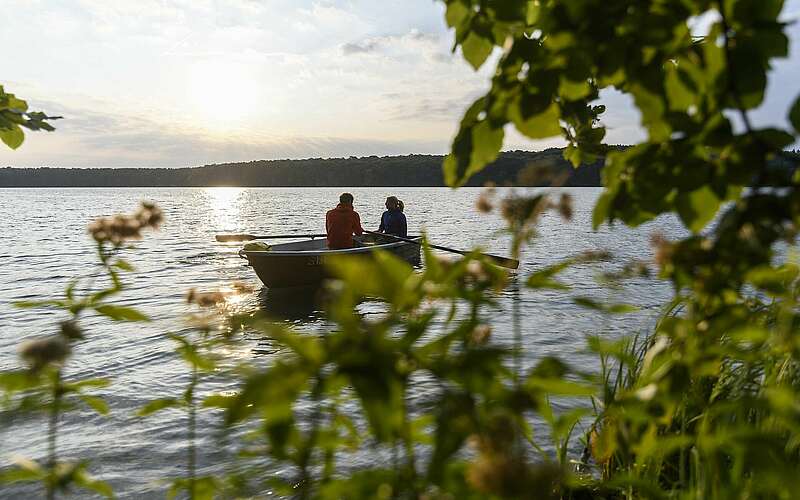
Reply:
x=392, y=203
x=400, y=205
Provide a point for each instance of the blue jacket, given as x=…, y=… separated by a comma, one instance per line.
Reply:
x=394, y=222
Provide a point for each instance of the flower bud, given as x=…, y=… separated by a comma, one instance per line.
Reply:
x=40, y=352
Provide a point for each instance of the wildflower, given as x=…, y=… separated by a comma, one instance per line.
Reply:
x=595, y=256
x=647, y=392
x=497, y=473
x=242, y=287
x=116, y=229
x=542, y=173
x=484, y=203
x=480, y=334
x=747, y=232
x=40, y=352
x=70, y=330
x=790, y=232
x=204, y=299
x=149, y=215
x=565, y=206
x=445, y=263
x=433, y=289
x=664, y=249
x=521, y=210
x=120, y=228
x=476, y=271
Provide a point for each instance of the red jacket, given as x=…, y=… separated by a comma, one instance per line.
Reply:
x=340, y=224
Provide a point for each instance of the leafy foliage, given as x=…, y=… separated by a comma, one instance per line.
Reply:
x=703, y=407
x=43, y=386
x=14, y=115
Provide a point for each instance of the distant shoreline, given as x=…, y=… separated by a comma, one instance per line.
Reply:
x=511, y=168
x=519, y=168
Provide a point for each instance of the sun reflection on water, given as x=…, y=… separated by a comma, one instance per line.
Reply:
x=226, y=205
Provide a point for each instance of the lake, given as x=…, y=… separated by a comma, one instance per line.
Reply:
x=45, y=245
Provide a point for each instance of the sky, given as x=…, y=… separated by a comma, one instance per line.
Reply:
x=173, y=83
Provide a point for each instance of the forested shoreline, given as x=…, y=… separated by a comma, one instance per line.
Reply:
x=524, y=168
x=517, y=168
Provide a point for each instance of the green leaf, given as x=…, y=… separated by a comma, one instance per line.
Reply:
x=486, y=143
x=25, y=470
x=532, y=16
x=219, y=401
x=680, y=96
x=33, y=304
x=544, y=278
x=13, y=136
x=606, y=308
x=17, y=104
x=538, y=126
x=19, y=380
x=79, y=385
x=158, y=405
x=775, y=281
x=121, y=313
x=84, y=480
x=456, y=13
x=602, y=209
x=477, y=143
x=565, y=423
x=308, y=347
x=574, y=90
x=697, y=208
x=96, y=403
x=794, y=115
x=124, y=265
x=476, y=49
x=559, y=386
x=195, y=358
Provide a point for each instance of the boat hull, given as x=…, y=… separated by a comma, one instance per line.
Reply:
x=303, y=264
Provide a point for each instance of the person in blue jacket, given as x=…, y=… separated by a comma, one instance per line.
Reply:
x=393, y=221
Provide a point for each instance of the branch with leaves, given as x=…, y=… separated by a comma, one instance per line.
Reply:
x=14, y=115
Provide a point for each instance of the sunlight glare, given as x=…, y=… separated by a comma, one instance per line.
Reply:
x=225, y=204
x=224, y=94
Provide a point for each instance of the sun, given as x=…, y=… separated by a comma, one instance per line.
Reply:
x=223, y=94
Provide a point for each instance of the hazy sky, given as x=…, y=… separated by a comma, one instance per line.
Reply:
x=191, y=82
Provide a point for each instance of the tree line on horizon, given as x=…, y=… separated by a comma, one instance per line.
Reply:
x=512, y=168
x=519, y=168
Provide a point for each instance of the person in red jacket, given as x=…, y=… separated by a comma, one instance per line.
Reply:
x=342, y=223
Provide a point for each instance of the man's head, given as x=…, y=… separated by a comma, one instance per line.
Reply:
x=392, y=203
x=346, y=199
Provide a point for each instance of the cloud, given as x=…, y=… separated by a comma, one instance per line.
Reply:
x=364, y=46
x=93, y=139
x=413, y=41
x=138, y=82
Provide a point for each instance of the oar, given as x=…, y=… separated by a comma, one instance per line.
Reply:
x=500, y=261
x=248, y=237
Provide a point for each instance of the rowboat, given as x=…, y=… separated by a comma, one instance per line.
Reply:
x=302, y=263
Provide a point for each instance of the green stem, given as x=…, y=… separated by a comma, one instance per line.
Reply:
x=308, y=448
x=192, y=432
x=411, y=459
x=52, y=433
x=517, y=329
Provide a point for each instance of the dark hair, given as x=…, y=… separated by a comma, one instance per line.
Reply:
x=393, y=201
x=346, y=198
x=400, y=205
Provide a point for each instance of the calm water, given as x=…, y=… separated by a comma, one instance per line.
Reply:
x=45, y=245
